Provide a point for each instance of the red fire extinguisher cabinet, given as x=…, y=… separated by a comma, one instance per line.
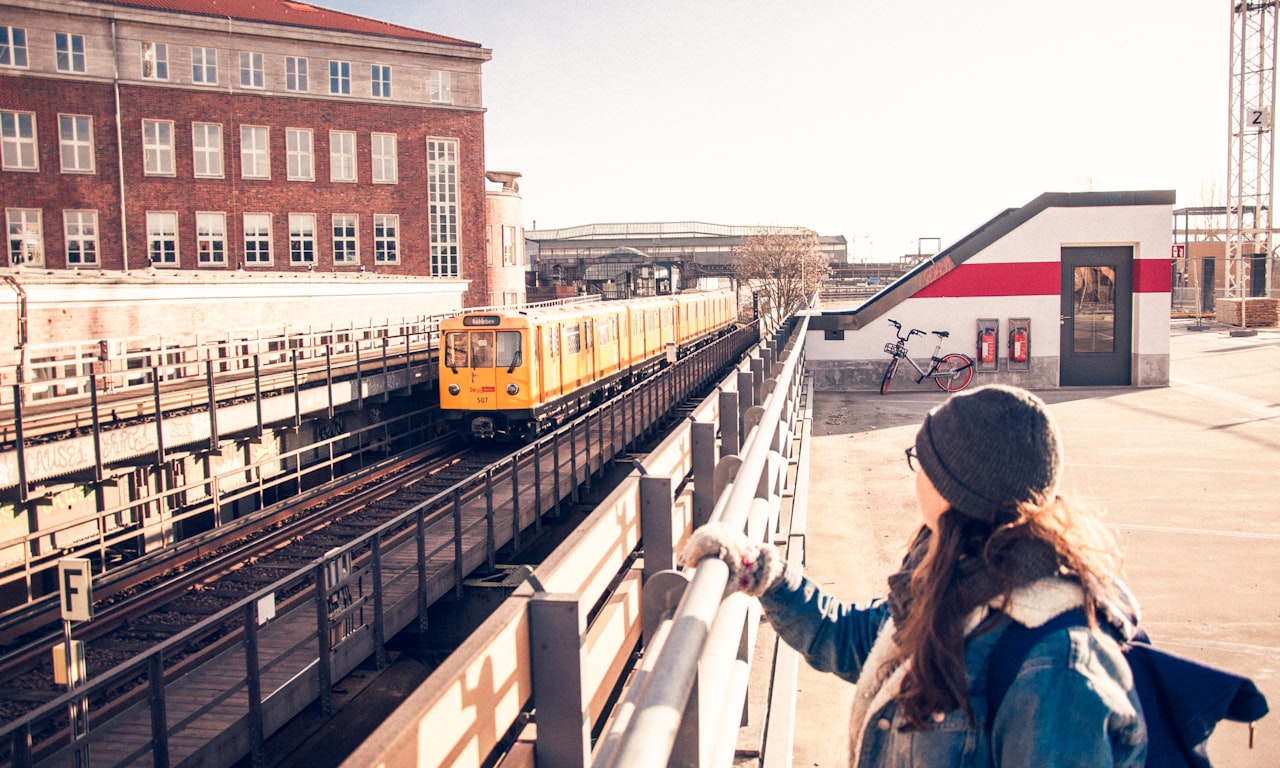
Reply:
x=1019, y=343
x=987, y=354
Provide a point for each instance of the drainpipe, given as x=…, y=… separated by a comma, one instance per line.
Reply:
x=115, y=79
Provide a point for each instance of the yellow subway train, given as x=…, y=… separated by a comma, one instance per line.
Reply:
x=516, y=374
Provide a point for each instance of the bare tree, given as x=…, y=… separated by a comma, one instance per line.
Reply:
x=783, y=269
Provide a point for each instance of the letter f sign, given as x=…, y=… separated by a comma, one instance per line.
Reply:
x=75, y=580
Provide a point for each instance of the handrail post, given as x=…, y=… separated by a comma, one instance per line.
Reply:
x=556, y=629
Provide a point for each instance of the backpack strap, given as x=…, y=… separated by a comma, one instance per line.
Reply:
x=1011, y=649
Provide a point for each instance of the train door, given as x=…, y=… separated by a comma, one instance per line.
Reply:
x=483, y=374
x=552, y=374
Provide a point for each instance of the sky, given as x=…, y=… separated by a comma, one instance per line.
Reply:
x=900, y=125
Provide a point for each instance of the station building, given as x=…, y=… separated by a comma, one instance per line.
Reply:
x=233, y=164
x=1071, y=289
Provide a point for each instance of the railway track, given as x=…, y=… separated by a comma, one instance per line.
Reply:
x=161, y=601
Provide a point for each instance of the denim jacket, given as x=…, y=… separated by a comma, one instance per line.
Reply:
x=1072, y=703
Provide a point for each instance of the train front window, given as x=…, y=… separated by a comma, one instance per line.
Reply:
x=481, y=349
x=509, y=351
x=456, y=350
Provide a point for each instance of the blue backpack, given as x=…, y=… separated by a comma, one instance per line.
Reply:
x=1182, y=700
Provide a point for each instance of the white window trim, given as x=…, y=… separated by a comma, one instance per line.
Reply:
x=380, y=159
x=253, y=72
x=377, y=81
x=270, y=238
x=162, y=151
x=264, y=152
x=152, y=239
x=354, y=239
x=211, y=237
x=445, y=224
x=379, y=239
x=17, y=142
x=9, y=213
x=198, y=150
x=300, y=237
x=340, y=159
x=205, y=67
x=15, y=49
x=81, y=238
x=75, y=143
x=158, y=53
x=72, y=57
x=301, y=161
x=339, y=79
x=441, y=87
x=301, y=76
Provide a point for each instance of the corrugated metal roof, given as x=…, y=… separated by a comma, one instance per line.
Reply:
x=288, y=12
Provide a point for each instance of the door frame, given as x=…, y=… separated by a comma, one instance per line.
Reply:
x=1093, y=367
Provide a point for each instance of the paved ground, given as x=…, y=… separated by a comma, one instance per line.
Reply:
x=1186, y=474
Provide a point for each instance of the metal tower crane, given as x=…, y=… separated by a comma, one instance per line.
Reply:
x=1251, y=146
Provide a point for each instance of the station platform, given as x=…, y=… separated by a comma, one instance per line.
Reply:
x=1186, y=475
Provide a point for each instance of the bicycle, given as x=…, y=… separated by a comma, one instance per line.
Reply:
x=952, y=371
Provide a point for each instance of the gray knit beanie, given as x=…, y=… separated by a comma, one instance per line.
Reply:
x=988, y=447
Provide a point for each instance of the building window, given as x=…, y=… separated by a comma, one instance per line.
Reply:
x=295, y=73
x=75, y=139
x=70, y=52
x=386, y=238
x=204, y=66
x=257, y=238
x=381, y=76
x=206, y=150
x=157, y=147
x=211, y=239
x=251, y=74
x=26, y=236
x=342, y=156
x=383, y=147
x=340, y=78
x=442, y=206
x=162, y=238
x=302, y=238
x=13, y=47
x=255, y=159
x=80, y=230
x=302, y=162
x=18, y=141
x=155, y=61
x=510, y=254
x=441, y=87
x=346, y=242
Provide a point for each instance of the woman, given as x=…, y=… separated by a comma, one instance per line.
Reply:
x=997, y=545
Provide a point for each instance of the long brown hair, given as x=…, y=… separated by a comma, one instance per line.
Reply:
x=932, y=636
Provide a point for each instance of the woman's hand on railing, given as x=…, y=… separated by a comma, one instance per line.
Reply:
x=754, y=566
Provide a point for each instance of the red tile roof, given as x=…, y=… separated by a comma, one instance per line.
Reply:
x=288, y=12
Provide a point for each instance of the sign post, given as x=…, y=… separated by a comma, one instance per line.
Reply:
x=75, y=584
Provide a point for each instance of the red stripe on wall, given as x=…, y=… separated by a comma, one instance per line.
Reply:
x=1152, y=275
x=1032, y=278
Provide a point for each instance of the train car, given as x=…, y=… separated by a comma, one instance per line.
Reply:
x=516, y=374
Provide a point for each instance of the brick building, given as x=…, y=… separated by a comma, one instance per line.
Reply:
x=235, y=138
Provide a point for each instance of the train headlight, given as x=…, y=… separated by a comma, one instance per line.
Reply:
x=454, y=389
x=513, y=389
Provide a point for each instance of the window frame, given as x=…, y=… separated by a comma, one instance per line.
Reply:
x=342, y=157
x=38, y=215
x=73, y=233
x=201, y=147
x=77, y=146
x=15, y=144
x=256, y=238
x=346, y=244
x=380, y=81
x=385, y=166
x=211, y=238
x=302, y=239
x=253, y=73
x=339, y=77
x=159, y=60
x=300, y=162
x=440, y=90
x=158, y=237
x=202, y=71
x=65, y=51
x=297, y=78
x=254, y=153
x=383, y=243
x=443, y=209
x=13, y=54
x=155, y=147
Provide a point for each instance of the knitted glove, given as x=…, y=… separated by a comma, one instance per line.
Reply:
x=754, y=567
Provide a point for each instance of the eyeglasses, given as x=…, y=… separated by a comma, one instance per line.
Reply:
x=913, y=459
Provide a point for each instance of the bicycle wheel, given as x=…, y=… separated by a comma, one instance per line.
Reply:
x=954, y=372
x=888, y=375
